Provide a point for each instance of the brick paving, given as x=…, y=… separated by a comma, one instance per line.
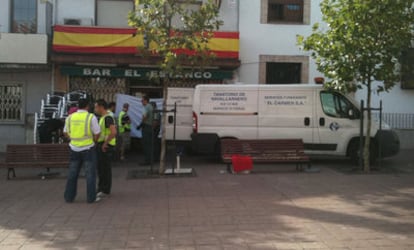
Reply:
x=279, y=210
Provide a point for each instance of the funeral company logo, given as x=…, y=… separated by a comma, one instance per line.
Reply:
x=334, y=126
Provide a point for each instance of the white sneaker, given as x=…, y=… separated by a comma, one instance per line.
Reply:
x=101, y=195
x=98, y=199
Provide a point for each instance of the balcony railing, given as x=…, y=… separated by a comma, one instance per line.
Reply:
x=101, y=40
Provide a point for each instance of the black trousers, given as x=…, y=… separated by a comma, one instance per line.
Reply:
x=147, y=143
x=156, y=144
x=105, y=169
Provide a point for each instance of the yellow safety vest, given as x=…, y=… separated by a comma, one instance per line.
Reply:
x=105, y=132
x=79, y=129
x=121, y=127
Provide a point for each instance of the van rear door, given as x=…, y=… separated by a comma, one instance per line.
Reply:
x=183, y=97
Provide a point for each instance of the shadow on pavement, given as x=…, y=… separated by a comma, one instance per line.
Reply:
x=215, y=210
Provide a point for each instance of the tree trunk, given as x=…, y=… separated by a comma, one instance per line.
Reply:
x=368, y=133
x=165, y=84
x=164, y=126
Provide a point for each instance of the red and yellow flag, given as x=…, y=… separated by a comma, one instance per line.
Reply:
x=100, y=40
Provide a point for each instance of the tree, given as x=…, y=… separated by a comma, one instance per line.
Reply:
x=179, y=37
x=361, y=47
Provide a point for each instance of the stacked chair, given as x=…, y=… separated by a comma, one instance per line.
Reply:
x=55, y=106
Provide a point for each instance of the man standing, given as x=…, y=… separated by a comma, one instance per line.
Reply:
x=147, y=131
x=111, y=108
x=83, y=130
x=106, y=148
x=124, y=127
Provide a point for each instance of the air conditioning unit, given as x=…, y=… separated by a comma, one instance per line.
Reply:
x=78, y=21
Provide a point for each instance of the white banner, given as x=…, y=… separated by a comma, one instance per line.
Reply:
x=135, y=110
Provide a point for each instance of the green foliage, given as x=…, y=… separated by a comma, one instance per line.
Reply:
x=361, y=42
x=171, y=27
x=155, y=19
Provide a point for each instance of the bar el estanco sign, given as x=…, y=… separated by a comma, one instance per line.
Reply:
x=143, y=73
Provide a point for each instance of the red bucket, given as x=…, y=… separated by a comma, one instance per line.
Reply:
x=241, y=163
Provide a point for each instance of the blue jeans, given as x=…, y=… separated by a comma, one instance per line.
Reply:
x=87, y=159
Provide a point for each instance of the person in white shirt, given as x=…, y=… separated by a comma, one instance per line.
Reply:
x=83, y=130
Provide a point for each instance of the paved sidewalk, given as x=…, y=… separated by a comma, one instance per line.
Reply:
x=279, y=210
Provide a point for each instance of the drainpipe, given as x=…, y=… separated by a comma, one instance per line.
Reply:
x=55, y=12
x=238, y=14
x=54, y=22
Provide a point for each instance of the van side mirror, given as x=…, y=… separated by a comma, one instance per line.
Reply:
x=351, y=114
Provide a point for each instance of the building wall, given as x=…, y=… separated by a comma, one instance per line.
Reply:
x=113, y=13
x=279, y=41
x=397, y=100
x=257, y=39
x=4, y=16
x=23, y=48
x=229, y=13
x=85, y=9
x=41, y=16
x=23, y=59
x=76, y=9
x=37, y=85
x=12, y=134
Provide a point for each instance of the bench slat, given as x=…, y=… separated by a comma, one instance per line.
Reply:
x=36, y=155
x=265, y=151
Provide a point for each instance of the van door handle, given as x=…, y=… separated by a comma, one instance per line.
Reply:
x=170, y=119
x=307, y=121
x=321, y=121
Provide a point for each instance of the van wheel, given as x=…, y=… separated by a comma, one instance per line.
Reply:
x=354, y=152
x=190, y=151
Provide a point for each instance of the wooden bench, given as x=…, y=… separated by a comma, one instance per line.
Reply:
x=266, y=151
x=35, y=156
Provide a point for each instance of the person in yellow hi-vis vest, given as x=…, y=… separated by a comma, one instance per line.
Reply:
x=83, y=130
x=124, y=128
x=106, y=147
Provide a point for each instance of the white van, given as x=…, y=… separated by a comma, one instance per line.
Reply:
x=327, y=122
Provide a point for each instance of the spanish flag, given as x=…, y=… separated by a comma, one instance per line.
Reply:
x=102, y=40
